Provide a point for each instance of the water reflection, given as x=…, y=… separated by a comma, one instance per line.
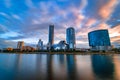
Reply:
x=59, y=67
x=116, y=59
x=71, y=67
x=84, y=67
x=103, y=67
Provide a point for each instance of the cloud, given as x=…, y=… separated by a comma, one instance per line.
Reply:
x=102, y=26
x=16, y=16
x=6, y=43
x=9, y=34
x=115, y=31
x=3, y=29
x=115, y=38
x=83, y=4
x=30, y=4
x=107, y=9
x=116, y=43
x=4, y=15
x=8, y=3
x=90, y=22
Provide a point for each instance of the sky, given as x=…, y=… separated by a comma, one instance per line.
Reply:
x=28, y=20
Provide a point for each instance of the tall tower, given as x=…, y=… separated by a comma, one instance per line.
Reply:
x=51, y=35
x=20, y=44
x=70, y=37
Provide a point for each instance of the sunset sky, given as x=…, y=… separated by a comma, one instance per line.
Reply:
x=28, y=20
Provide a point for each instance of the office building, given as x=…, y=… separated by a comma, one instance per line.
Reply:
x=70, y=37
x=99, y=40
x=20, y=44
x=51, y=36
x=40, y=45
x=27, y=48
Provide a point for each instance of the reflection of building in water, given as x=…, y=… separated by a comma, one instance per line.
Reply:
x=18, y=66
x=11, y=68
x=18, y=61
x=84, y=68
x=49, y=67
x=71, y=66
x=117, y=67
x=61, y=58
x=59, y=69
x=103, y=66
x=40, y=73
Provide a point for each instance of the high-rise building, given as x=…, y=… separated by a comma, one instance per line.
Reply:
x=51, y=36
x=70, y=37
x=20, y=44
x=99, y=40
x=40, y=45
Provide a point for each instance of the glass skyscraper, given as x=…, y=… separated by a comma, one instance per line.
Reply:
x=40, y=45
x=99, y=39
x=70, y=37
x=51, y=36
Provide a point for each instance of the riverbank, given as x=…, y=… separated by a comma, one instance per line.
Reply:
x=83, y=53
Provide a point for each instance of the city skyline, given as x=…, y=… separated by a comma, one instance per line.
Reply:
x=30, y=21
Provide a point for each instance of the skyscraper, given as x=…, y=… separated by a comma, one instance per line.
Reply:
x=40, y=45
x=70, y=37
x=20, y=44
x=51, y=36
x=99, y=40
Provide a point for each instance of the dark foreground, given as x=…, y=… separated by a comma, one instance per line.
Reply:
x=59, y=67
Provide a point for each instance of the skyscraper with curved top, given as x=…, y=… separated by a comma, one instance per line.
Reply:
x=99, y=40
x=70, y=37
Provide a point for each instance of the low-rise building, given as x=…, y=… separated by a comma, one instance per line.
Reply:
x=27, y=48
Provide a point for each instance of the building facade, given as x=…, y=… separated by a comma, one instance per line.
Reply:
x=51, y=36
x=40, y=45
x=70, y=37
x=27, y=48
x=20, y=44
x=99, y=40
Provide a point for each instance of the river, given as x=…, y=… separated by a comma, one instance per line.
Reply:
x=59, y=67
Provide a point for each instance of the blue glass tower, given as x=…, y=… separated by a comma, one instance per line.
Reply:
x=99, y=39
x=70, y=37
x=51, y=35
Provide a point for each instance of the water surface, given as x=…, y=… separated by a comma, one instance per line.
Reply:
x=59, y=67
